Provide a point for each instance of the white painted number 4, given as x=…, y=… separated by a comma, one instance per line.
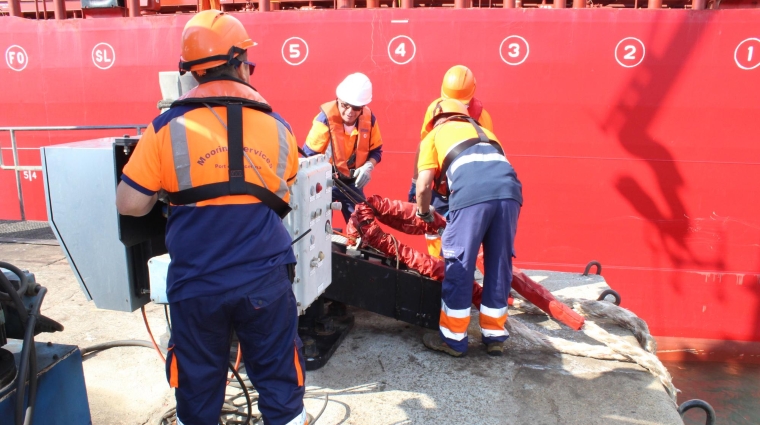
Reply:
x=294, y=52
x=401, y=50
x=514, y=50
x=30, y=175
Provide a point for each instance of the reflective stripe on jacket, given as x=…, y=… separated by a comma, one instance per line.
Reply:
x=186, y=147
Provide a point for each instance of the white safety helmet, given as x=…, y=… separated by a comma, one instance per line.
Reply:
x=355, y=90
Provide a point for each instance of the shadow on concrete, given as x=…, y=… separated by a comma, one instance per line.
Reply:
x=386, y=375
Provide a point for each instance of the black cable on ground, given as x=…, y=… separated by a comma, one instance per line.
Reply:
x=324, y=406
x=114, y=344
x=27, y=366
x=245, y=391
x=168, y=322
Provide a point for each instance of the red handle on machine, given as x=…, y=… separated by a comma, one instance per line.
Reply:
x=540, y=297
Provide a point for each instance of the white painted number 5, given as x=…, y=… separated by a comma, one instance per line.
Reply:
x=514, y=50
x=294, y=53
x=631, y=52
x=401, y=50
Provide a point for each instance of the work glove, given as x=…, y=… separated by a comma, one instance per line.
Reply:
x=363, y=174
x=428, y=217
x=413, y=192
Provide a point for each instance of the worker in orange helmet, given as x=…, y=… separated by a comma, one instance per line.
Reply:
x=231, y=261
x=347, y=132
x=465, y=162
x=459, y=84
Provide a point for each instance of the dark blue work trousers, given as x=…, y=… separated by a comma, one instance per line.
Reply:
x=494, y=224
x=264, y=316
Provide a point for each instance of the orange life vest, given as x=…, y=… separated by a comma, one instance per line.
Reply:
x=343, y=162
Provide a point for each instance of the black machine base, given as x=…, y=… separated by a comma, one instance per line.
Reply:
x=322, y=332
x=370, y=282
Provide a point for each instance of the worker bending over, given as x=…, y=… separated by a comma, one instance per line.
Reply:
x=465, y=161
x=347, y=132
x=459, y=84
x=231, y=261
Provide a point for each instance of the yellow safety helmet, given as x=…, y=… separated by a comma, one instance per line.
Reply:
x=459, y=84
x=210, y=39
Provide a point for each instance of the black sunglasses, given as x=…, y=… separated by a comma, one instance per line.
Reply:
x=345, y=105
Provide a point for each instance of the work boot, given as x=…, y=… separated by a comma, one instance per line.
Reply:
x=495, y=349
x=433, y=341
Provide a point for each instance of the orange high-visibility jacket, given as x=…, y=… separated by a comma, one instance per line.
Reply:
x=186, y=147
x=349, y=151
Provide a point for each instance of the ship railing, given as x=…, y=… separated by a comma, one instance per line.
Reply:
x=18, y=169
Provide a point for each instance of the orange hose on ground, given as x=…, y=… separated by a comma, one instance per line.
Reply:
x=237, y=363
x=153, y=340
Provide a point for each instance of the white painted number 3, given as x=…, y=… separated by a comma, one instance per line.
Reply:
x=631, y=52
x=401, y=50
x=514, y=50
x=294, y=52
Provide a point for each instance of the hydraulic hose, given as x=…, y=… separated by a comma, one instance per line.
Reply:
x=28, y=367
x=23, y=286
x=114, y=344
x=10, y=291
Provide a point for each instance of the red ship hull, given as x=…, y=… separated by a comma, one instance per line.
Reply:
x=648, y=163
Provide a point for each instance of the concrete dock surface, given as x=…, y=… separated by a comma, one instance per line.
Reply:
x=381, y=373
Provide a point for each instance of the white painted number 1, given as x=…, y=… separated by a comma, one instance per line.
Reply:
x=401, y=50
x=294, y=52
x=749, y=55
x=631, y=52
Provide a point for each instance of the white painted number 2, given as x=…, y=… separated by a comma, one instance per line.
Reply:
x=294, y=52
x=30, y=175
x=401, y=50
x=631, y=52
x=514, y=50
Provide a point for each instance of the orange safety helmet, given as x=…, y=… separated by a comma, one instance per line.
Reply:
x=459, y=84
x=210, y=39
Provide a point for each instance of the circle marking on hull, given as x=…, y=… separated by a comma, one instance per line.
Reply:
x=103, y=55
x=515, y=48
x=398, y=48
x=629, y=52
x=16, y=58
x=295, y=51
x=749, y=57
